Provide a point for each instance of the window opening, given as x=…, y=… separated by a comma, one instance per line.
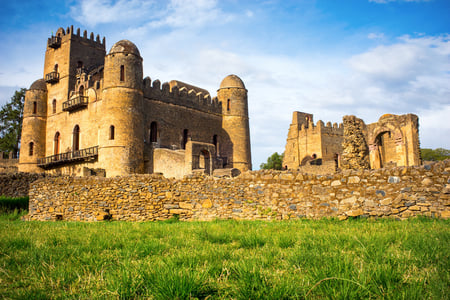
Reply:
x=31, y=149
x=228, y=104
x=185, y=138
x=54, y=106
x=122, y=73
x=34, y=107
x=153, y=132
x=111, y=132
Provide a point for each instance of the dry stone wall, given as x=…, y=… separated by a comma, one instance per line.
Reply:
x=16, y=184
x=400, y=192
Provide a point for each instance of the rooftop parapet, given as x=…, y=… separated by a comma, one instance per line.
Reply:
x=61, y=35
x=320, y=127
x=181, y=96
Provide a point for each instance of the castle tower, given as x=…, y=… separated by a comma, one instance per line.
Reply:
x=33, y=127
x=121, y=136
x=233, y=95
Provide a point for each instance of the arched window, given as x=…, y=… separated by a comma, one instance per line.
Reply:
x=55, y=68
x=216, y=143
x=81, y=91
x=56, y=143
x=228, y=104
x=122, y=73
x=79, y=64
x=31, y=149
x=76, y=138
x=153, y=132
x=111, y=132
x=34, y=107
x=185, y=138
x=54, y=106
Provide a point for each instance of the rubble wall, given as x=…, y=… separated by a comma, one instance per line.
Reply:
x=269, y=195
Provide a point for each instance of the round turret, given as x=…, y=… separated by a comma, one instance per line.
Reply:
x=233, y=95
x=121, y=141
x=33, y=127
x=125, y=46
x=232, y=81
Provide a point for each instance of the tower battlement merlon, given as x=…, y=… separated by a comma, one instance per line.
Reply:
x=61, y=35
x=182, y=96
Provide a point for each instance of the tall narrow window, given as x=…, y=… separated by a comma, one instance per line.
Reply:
x=56, y=142
x=34, y=107
x=54, y=106
x=31, y=150
x=215, y=141
x=111, y=132
x=185, y=138
x=55, y=68
x=153, y=132
x=122, y=73
x=228, y=104
x=81, y=91
x=76, y=138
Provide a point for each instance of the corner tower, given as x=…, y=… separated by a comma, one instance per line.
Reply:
x=33, y=127
x=121, y=138
x=233, y=95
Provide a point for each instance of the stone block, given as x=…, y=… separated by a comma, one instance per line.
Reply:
x=354, y=179
x=207, y=203
x=386, y=201
x=355, y=213
x=335, y=183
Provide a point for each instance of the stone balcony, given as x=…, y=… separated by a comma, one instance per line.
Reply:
x=75, y=103
x=52, y=77
x=54, y=42
x=81, y=155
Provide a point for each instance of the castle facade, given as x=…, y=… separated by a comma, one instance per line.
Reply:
x=94, y=113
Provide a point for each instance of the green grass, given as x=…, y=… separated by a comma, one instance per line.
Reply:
x=355, y=259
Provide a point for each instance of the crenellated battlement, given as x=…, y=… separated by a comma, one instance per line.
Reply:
x=321, y=128
x=181, y=96
x=62, y=35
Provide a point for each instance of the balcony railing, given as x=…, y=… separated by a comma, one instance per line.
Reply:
x=52, y=77
x=54, y=42
x=75, y=103
x=81, y=155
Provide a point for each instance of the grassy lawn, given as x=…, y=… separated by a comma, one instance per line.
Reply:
x=354, y=259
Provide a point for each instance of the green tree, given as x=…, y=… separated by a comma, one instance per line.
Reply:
x=434, y=155
x=11, y=123
x=275, y=162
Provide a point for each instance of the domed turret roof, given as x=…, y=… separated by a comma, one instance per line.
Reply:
x=232, y=81
x=39, y=85
x=125, y=46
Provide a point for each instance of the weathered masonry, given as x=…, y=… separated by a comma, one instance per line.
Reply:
x=393, y=141
x=94, y=113
x=399, y=192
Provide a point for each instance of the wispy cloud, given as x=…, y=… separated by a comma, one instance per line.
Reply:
x=155, y=14
x=387, y=1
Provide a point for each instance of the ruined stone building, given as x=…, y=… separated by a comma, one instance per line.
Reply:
x=392, y=141
x=94, y=113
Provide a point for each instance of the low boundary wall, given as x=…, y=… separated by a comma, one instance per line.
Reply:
x=399, y=192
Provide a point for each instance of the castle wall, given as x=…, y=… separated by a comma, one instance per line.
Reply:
x=173, y=119
x=171, y=163
x=398, y=193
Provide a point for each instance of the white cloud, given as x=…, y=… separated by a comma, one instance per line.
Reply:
x=153, y=14
x=375, y=36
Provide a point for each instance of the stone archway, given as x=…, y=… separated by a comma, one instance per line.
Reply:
x=386, y=148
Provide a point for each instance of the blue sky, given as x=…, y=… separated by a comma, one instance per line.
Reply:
x=330, y=58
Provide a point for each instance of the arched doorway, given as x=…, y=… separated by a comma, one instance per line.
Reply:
x=76, y=138
x=386, y=150
x=56, y=143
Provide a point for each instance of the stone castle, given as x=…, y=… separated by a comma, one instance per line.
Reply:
x=95, y=114
x=393, y=141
